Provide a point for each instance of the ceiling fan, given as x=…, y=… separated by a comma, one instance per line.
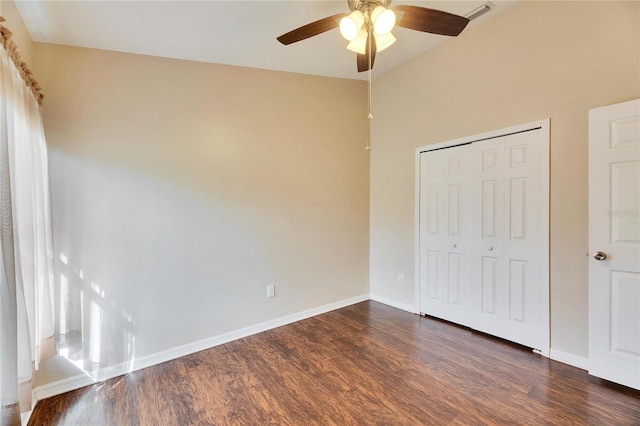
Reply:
x=368, y=26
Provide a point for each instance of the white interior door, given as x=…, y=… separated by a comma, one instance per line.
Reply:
x=614, y=242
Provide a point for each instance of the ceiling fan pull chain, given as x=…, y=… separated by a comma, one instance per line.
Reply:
x=368, y=147
x=370, y=116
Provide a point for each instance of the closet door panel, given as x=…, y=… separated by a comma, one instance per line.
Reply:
x=453, y=279
x=517, y=290
x=523, y=239
x=443, y=219
x=487, y=223
x=433, y=231
x=456, y=244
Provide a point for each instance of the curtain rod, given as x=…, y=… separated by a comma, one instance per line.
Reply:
x=12, y=49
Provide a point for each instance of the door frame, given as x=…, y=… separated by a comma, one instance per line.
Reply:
x=544, y=127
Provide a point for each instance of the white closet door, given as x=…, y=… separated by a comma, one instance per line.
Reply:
x=487, y=222
x=523, y=239
x=483, y=235
x=432, y=182
x=507, y=196
x=444, y=234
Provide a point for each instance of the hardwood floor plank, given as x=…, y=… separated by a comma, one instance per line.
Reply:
x=364, y=364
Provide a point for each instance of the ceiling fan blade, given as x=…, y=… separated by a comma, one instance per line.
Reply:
x=370, y=50
x=363, y=62
x=312, y=29
x=430, y=20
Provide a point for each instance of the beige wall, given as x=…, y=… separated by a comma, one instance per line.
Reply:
x=20, y=32
x=181, y=189
x=533, y=61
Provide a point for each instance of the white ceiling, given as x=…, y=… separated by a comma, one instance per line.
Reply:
x=227, y=32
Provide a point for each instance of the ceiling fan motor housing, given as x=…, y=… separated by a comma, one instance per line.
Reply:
x=367, y=5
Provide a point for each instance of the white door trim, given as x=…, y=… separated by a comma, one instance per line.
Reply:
x=542, y=125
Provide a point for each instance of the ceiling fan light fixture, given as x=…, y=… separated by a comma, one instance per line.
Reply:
x=383, y=20
x=368, y=25
x=359, y=44
x=384, y=41
x=351, y=25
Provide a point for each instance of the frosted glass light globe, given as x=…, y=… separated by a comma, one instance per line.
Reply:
x=383, y=20
x=350, y=25
x=384, y=41
x=359, y=44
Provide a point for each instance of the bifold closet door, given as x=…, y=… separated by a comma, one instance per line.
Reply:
x=481, y=237
x=507, y=242
x=444, y=204
x=487, y=242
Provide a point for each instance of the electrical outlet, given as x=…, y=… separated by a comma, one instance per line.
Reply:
x=271, y=291
x=400, y=278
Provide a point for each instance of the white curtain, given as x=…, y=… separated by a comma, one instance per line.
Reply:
x=26, y=253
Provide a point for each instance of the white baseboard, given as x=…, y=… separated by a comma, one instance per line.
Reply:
x=62, y=386
x=24, y=417
x=393, y=303
x=570, y=359
x=82, y=380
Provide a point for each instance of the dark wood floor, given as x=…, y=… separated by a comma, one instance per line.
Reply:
x=364, y=364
